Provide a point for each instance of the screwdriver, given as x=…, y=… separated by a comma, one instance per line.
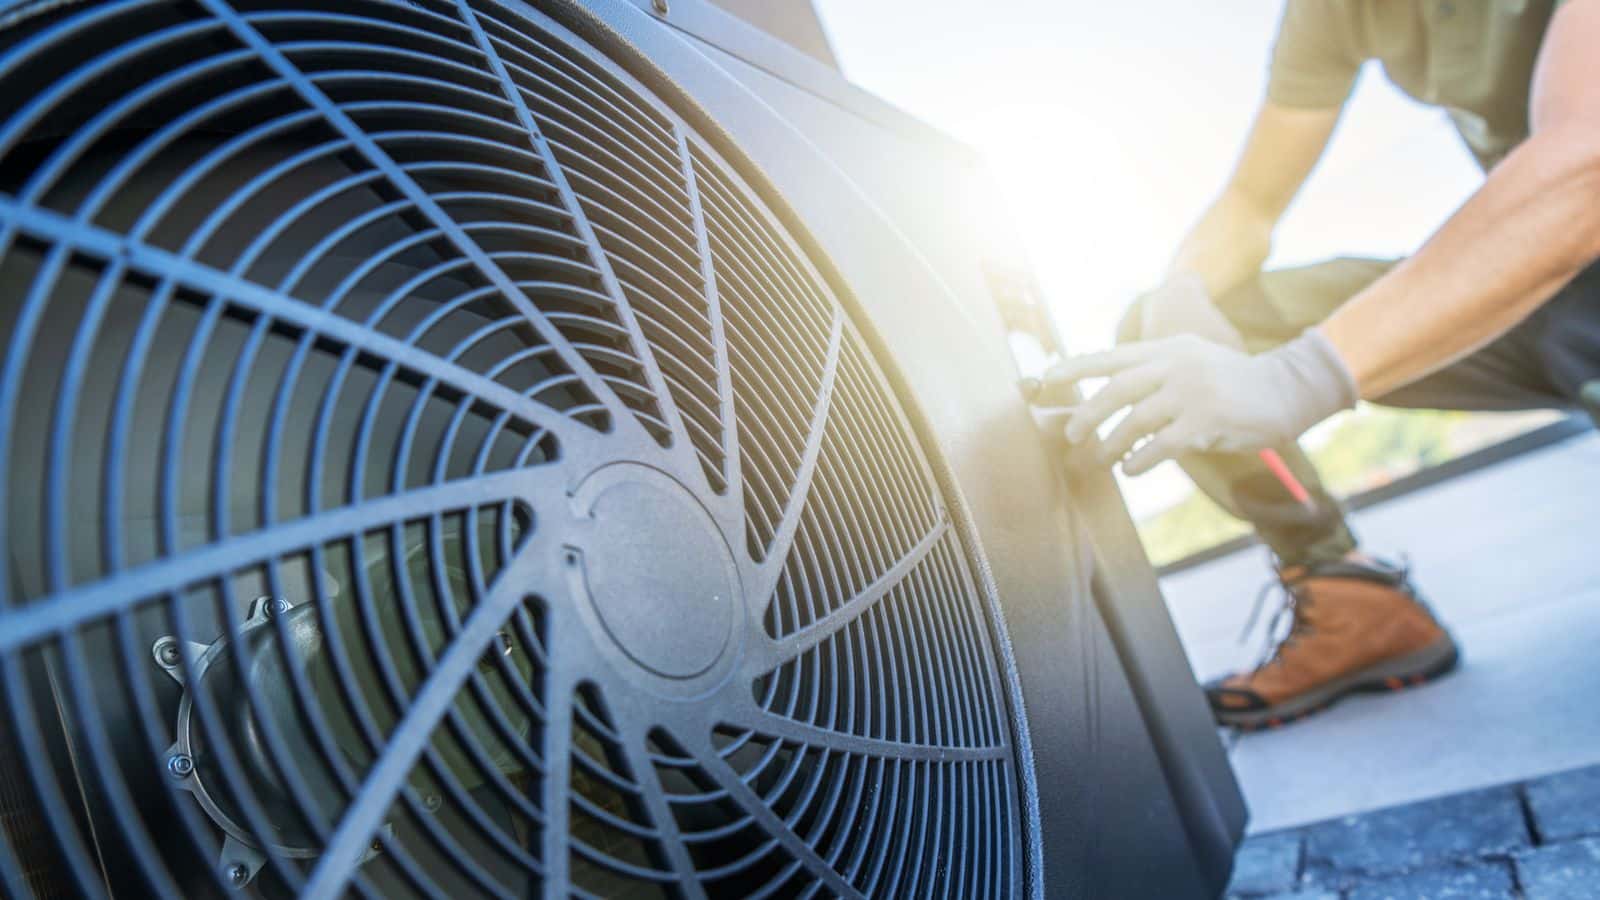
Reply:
x=1280, y=471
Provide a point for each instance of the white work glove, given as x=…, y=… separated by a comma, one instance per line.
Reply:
x=1181, y=305
x=1189, y=395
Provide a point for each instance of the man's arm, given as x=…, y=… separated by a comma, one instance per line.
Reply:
x=1531, y=228
x=1229, y=243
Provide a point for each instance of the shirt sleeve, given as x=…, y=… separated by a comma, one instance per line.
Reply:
x=1315, y=59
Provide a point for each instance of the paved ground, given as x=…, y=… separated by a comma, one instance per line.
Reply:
x=1534, y=841
x=1509, y=557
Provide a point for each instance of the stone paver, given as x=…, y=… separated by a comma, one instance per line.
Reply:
x=1566, y=805
x=1561, y=871
x=1472, y=846
x=1477, y=881
x=1266, y=864
x=1414, y=837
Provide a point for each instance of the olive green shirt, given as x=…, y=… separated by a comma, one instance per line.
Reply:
x=1475, y=58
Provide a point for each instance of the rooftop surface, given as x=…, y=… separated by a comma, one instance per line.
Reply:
x=1534, y=841
x=1509, y=556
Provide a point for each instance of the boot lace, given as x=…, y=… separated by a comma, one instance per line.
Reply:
x=1294, y=601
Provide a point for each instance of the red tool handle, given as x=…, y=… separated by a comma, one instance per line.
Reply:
x=1280, y=470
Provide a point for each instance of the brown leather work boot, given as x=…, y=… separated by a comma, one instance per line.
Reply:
x=1355, y=626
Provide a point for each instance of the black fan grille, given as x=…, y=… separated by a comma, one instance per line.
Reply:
x=351, y=351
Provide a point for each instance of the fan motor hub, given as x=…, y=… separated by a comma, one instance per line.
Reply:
x=656, y=571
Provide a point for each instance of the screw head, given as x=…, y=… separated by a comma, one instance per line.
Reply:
x=431, y=802
x=180, y=765
x=661, y=7
x=238, y=874
x=268, y=606
x=167, y=652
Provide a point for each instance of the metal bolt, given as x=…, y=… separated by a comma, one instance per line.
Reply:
x=431, y=802
x=267, y=607
x=167, y=652
x=661, y=7
x=238, y=874
x=180, y=765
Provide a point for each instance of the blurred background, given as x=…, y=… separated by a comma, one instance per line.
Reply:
x=1110, y=127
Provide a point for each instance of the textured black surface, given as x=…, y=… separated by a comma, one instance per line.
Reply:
x=1268, y=864
x=1518, y=841
x=399, y=313
x=1481, y=823
x=1475, y=881
x=1566, y=805
x=1569, y=871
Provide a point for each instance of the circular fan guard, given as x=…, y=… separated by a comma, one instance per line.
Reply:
x=430, y=469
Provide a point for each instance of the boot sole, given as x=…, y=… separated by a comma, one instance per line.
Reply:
x=1397, y=674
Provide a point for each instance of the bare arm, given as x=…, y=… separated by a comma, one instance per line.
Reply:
x=1531, y=228
x=1234, y=236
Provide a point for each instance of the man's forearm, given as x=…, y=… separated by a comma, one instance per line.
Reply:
x=1229, y=243
x=1532, y=227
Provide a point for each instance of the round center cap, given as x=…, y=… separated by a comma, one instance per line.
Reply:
x=660, y=576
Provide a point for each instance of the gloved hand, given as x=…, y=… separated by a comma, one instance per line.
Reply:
x=1181, y=305
x=1190, y=395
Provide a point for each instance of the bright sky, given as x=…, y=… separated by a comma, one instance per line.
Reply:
x=1110, y=126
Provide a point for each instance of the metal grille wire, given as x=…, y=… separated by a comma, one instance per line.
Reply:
x=314, y=316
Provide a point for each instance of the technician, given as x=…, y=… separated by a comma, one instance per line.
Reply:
x=1499, y=310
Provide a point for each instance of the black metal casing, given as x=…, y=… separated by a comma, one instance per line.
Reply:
x=1135, y=795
